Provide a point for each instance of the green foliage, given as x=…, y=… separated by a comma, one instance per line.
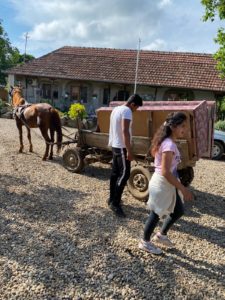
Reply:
x=9, y=55
x=220, y=102
x=49, y=101
x=220, y=54
x=222, y=106
x=77, y=110
x=213, y=8
x=1, y=104
x=220, y=125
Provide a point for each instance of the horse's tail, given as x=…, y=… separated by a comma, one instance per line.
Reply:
x=56, y=125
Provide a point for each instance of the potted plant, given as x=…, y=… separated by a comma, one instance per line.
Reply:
x=76, y=113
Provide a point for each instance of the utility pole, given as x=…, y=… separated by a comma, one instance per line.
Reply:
x=26, y=38
x=137, y=62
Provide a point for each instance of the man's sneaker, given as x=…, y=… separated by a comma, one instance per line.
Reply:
x=117, y=210
x=162, y=240
x=149, y=247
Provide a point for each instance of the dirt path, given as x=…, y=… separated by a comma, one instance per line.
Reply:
x=58, y=240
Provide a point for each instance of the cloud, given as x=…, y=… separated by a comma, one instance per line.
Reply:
x=158, y=44
x=161, y=24
x=115, y=23
x=164, y=3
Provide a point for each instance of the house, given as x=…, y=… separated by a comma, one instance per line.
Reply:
x=95, y=76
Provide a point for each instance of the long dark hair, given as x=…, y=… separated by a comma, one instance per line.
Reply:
x=165, y=130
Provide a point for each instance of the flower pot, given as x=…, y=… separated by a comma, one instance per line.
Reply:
x=72, y=123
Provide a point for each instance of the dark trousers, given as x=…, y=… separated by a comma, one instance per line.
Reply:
x=153, y=219
x=119, y=175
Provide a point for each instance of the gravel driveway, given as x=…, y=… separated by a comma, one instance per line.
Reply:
x=58, y=240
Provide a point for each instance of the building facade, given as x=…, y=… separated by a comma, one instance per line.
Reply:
x=96, y=76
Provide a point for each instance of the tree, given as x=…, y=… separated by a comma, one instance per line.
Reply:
x=213, y=8
x=9, y=55
x=5, y=50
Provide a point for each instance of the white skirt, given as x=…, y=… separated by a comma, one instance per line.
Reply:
x=162, y=196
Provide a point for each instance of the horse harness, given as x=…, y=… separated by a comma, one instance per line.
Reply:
x=18, y=111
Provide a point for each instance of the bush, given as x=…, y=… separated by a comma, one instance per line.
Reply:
x=220, y=125
x=49, y=101
x=221, y=108
x=1, y=104
x=77, y=110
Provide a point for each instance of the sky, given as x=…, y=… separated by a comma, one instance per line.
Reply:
x=161, y=25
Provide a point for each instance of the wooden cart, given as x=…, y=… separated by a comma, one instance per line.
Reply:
x=90, y=146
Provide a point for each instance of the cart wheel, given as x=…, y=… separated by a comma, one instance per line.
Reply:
x=73, y=160
x=186, y=175
x=138, y=182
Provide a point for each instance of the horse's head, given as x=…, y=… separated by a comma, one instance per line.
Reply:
x=17, y=90
x=17, y=96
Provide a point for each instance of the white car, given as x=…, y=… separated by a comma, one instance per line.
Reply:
x=219, y=144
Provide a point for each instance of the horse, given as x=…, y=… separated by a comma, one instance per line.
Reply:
x=38, y=115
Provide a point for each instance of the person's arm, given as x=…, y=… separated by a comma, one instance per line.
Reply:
x=127, y=137
x=167, y=158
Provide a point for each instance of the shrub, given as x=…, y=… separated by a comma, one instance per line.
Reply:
x=220, y=125
x=49, y=101
x=77, y=110
x=221, y=108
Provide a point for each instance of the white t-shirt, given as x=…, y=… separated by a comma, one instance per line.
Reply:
x=118, y=114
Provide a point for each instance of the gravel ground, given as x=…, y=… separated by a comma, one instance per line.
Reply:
x=58, y=239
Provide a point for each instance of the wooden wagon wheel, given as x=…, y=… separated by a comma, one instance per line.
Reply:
x=73, y=159
x=138, y=182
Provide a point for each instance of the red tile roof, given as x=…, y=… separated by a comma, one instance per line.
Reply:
x=168, y=69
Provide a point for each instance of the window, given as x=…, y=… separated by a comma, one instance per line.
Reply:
x=122, y=95
x=148, y=97
x=55, y=94
x=46, y=91
x=79, y=93
x=75, y=93
x=106, y=96
x=178, y=95
x=83, y=94
x=30, y=92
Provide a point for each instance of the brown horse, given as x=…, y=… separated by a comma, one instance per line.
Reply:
x=41, y=115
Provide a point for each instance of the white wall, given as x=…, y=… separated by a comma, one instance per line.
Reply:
x=95, y=88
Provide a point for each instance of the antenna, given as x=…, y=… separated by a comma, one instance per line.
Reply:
x=26, y=37
x=137, y=62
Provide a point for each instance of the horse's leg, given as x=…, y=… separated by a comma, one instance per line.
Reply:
x=19, y=126
x=29, y=139
x=51, y=146
x=44, y=132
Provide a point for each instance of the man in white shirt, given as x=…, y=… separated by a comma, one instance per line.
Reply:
x=120, y=141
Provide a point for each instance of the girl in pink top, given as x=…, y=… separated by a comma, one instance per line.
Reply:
x=167, y=146
x=165, y=186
